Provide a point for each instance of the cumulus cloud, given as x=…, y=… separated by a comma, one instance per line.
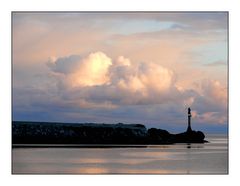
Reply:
x=64, y=65
x=97, y=84
x=89, y=71
x=141, y=76
x=99, y=79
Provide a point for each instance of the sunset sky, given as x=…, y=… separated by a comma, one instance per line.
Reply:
x=122, y=67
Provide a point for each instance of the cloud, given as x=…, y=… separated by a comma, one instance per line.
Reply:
x=64, y=65
x=98, y=79
x=216, y=64
x=140, y=74
x=211, y=117
x=108, y=89
x=79, y=72
x=198, y=20
x=40, y=35
x=210, y=103
x=215, y=92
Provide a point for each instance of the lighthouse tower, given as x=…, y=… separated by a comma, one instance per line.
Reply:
x=189, y=129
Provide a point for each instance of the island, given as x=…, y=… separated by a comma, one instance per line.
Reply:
x=96, y=133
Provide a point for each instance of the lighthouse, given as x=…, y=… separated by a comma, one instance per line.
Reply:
x=189, y=129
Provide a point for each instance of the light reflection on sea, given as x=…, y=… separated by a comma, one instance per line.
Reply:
x=208, y=158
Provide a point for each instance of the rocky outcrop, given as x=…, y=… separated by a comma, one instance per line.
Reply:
x=90, y=133
x=158, y=136
x=189, y=137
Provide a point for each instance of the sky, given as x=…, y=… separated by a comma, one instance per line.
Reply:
x=122, y=67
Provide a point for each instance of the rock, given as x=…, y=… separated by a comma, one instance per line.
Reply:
x=158, y=136
x=189, y=137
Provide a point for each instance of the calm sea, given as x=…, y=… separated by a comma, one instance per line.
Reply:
x=208, y=158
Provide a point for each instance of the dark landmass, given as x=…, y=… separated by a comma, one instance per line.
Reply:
x=91, y=133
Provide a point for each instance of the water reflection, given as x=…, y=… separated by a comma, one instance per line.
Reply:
x=92, y=170
x=97, y=170
x=162, y=159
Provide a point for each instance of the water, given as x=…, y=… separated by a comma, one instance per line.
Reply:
x=208, y=158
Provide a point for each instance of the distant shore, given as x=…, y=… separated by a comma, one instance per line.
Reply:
x=49, y=134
